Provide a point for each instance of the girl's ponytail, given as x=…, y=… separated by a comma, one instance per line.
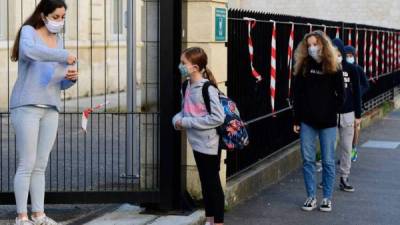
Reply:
x=210, y=76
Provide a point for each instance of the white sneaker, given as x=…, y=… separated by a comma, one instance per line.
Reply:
x=23, y=222
x=310, y=204
x=326, y=205
x=44, y=220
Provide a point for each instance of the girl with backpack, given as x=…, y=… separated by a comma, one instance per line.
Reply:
x=43, y=72
x=318, y=96
x=200, y=126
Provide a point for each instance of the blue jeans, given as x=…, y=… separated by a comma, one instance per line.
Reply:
x=327, y=137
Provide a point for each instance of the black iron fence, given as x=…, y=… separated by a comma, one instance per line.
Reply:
x=270, y=132
x=119, y=158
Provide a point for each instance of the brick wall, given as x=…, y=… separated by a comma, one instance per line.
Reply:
x=384, y=13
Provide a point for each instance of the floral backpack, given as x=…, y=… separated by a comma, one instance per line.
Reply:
x=233, y=131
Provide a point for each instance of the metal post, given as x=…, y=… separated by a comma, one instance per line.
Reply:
x=132, y=165
x=170, y=155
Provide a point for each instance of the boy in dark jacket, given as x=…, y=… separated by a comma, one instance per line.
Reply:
x=349, y=116
x=364, y=85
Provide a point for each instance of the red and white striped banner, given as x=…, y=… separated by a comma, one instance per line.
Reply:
x=290, y=58
x=273, y=67
x=251, y=23
x=383, y=53
x=349, y=42
x=88, y=111
x=356, y=46
x=377, y=56
x=365, y=52
x=388, y=53
x=337, y=32
x=396, y=51
x=396, y=56
x=370, y=64
x=391, y=52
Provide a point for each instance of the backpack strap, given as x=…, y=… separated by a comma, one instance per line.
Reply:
x=206, y=95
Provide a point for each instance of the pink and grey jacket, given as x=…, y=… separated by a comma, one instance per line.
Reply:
x=199, y=124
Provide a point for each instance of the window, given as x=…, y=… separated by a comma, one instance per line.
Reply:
x=118, y=13
x=3, y=20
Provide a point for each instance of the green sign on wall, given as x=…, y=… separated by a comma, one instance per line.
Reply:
x=220, y=24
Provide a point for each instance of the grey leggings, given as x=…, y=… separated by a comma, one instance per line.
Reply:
x=36, y=130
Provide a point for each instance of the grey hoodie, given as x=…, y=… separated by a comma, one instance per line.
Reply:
x=199, y=124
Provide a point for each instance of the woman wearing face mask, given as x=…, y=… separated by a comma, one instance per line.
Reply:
x=318, y=95
x=200, y=127
x=42, y=73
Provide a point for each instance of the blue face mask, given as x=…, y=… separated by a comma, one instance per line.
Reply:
x=183, y=70
x=314, y=52
x=350, y=60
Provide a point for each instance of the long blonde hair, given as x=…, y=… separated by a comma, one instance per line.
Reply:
x=330, y=63
x=197, y=56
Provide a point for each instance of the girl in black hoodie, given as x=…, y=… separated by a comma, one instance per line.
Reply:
x=318, y=96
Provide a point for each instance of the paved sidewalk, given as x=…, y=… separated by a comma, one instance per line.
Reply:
x=106, y=214
x=376, y=177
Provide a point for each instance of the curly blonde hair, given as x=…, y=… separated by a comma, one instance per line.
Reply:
x=330, y=64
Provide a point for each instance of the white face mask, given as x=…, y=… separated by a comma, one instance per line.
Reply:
x=54, y=26
x=340, y=59
x=350, y=60
x=314, y=52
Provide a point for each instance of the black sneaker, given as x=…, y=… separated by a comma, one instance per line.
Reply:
x=345, y=186
x=326, y=205
x=310, y=204
x=321, y=185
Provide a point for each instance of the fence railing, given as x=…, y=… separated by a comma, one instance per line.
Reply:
x=270, y=132
x=120, y=153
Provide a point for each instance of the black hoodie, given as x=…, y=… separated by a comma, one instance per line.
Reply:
x=351, y=83
x=317, y=96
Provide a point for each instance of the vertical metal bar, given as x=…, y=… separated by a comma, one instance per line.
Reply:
x=146, y=41
x=98, y=151
x=57, y=162
x=91, y=92
x=77, y=95
x=126, y=151
x=119, y=97
x=140, y=147
x=8, y=94
x=154, y=153
x=105, y=94
x=65, y=147
x=112, y=151
x=131, y=79
x=8, y=98
x=118, y=56
x=70, y=148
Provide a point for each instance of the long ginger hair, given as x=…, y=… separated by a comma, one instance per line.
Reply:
x=330, y=63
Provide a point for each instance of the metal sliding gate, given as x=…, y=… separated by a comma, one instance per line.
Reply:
x=118, y=45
